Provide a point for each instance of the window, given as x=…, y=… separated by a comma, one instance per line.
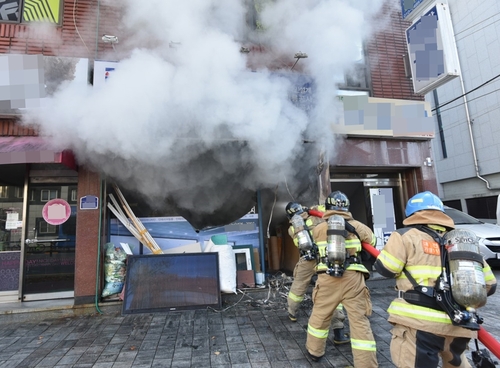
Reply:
x=46, y=228
x=27, y=11
x=356, y=77
x=47, y=194
x=73, y=195
x=4, y=191
x=19, y=192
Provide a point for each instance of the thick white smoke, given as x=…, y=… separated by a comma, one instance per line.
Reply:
x=192, y=125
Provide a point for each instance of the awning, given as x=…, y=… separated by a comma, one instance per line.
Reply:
x=32, y=149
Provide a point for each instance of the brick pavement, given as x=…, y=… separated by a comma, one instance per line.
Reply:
x=251, y=330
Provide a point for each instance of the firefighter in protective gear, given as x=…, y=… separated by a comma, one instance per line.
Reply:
x=423, y=330
x=305, y=269
x=350, y=289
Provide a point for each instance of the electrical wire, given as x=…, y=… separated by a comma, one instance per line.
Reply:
x=272, y=211
x=76, y=27
x=465, y=94
x=288, y=189
x=477, y=30
x=469, y=100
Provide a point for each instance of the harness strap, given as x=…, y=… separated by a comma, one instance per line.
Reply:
x=417, y=298
x=342, y=233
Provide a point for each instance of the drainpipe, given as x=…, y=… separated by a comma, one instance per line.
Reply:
x=262, y=247
x=473, y=145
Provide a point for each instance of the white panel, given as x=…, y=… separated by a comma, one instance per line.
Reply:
x=432, y=49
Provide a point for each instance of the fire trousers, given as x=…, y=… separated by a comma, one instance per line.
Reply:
x=302, y=274
x=351, y=291
x=411, y=348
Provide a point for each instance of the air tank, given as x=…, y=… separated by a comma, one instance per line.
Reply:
x=335, y=248
x=466, y=268
x=303, y=237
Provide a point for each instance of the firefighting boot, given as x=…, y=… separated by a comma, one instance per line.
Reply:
x=339, y=337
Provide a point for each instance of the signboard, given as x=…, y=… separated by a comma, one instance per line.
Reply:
x=383, y=117
x=22, y=84
x=103, y=71
x=89, y=202
x=432, y=50
x=12, y=221
x=56, y=211
x=173, y=232
x=408, y=6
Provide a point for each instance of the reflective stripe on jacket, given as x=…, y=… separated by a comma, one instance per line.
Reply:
x=418, y=253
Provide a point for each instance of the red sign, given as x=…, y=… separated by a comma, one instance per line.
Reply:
x=56, y=211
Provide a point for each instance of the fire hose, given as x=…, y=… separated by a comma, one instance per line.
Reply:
x=482, y=335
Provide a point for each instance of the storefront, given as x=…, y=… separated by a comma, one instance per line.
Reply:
x=38, y=196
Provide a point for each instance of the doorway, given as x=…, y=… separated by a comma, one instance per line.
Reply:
x=376, y=202
x=12, y=178
x=49, y=250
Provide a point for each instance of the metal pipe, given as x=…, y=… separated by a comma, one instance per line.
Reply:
x=473, y=144
x=262, y=247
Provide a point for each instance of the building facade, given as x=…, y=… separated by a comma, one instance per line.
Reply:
x=466, y=111
x=54, y=213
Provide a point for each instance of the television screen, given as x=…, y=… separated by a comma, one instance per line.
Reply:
x=167, y=282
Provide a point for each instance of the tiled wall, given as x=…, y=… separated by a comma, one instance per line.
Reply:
x=385, y=57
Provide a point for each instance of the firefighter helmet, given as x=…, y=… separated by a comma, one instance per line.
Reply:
x=337, y=201
x=293, y=208
x=423, y=201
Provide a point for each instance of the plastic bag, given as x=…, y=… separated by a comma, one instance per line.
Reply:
x=227, y=266
x=114, y=269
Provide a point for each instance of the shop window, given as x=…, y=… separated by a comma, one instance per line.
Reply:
x=28, y=11
x=48, y=194
x=4, y=191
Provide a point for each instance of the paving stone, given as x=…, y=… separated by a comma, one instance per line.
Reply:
x=69, y=359
x=244, y=336
x=239, y=357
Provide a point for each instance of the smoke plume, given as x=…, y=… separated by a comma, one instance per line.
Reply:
x=190, y=122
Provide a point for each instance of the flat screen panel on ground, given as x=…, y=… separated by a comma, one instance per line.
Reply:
x=168, y=282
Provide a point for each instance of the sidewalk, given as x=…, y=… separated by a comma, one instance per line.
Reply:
x=251, y=330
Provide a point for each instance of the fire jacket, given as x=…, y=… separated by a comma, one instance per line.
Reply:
x=352, y=242
x=418, y=253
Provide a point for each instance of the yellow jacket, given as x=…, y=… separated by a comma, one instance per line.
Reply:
x=418, y=253
x=352, y=243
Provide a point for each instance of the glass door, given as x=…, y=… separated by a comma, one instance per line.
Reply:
x=11, y=229
x=383, y=214
x=49, y=257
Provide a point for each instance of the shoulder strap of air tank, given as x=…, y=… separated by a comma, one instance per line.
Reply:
x=351, y=229
x=441, y=243
x=309, y=230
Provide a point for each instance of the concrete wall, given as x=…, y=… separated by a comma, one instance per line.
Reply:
x=477, y=35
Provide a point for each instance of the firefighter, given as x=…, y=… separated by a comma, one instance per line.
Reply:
x=347, y=287
x=416, y=256
x=306, y=268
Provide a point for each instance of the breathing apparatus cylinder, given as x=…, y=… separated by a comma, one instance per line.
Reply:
x=303, y=237
x=335, y=249
x=466, y=269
